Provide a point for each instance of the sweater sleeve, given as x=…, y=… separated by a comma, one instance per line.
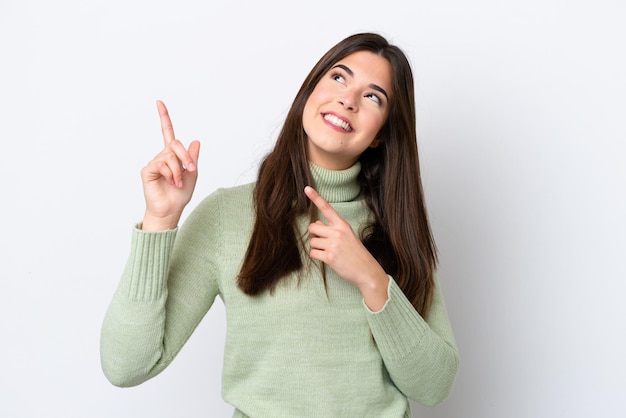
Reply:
x=167, y=286
x=420, y=354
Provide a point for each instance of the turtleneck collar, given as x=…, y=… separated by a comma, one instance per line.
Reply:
x=337, y=185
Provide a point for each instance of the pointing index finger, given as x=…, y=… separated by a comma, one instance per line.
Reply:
x=166, y=123
x=325, y=208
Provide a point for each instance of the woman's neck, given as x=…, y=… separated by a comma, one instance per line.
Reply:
x=337, y=185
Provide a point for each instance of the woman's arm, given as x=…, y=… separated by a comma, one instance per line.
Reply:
x=420, y=354
x=161, y=296
x=168, y=285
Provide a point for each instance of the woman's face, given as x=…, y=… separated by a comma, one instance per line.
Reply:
x=347, y=109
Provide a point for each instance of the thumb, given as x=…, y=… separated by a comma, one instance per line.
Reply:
x=194, y=153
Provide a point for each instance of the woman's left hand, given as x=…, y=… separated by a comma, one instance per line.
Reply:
x=336, y=245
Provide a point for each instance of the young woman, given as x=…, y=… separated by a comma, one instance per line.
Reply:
x=326, y=264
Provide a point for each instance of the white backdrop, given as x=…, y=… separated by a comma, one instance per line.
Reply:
x=521, y=111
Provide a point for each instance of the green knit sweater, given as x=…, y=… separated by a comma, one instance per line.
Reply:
x=300, y=351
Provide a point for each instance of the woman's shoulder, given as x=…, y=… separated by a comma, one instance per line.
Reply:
x=237, y=194
x=226, y=206
x=229, y=198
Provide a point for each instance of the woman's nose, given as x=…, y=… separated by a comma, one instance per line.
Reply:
x=348, y=101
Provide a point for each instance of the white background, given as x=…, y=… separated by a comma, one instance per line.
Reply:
x=521, y=114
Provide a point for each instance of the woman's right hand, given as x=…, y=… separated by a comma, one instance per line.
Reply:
x=169, y=179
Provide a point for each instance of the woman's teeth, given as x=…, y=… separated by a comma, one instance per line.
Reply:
x=338, y=122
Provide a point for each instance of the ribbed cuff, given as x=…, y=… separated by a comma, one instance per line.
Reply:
x=397, y=327
x=148, y=264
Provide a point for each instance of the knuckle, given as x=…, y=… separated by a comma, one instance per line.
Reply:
x=172, y=145
x=172, y=159
x=162, y=168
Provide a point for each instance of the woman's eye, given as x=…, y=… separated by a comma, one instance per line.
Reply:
x=374, y=98
x=339, y=78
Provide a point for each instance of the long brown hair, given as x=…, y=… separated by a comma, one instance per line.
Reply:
x=399, y=236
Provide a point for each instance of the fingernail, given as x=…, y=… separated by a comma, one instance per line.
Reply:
x=191, y=167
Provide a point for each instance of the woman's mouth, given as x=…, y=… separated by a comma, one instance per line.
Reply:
x=335, y=121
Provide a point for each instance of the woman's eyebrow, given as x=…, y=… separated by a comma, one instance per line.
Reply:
x=351, y=74
x=345, y=68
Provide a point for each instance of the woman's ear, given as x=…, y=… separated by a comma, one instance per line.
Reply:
x=376, y=142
